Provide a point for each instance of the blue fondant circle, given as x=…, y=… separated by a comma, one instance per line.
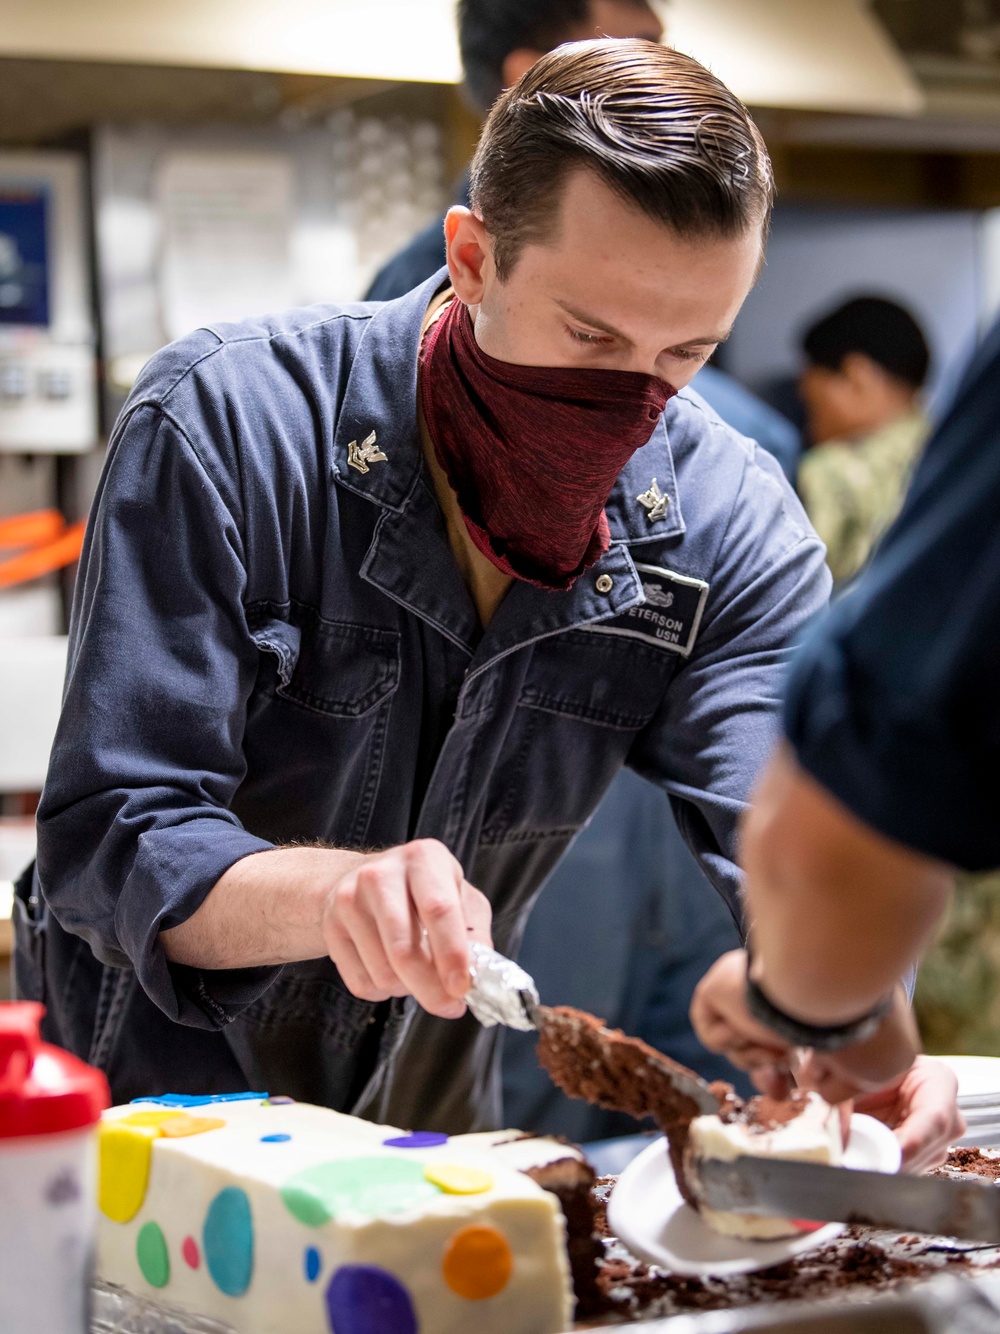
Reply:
x=275, y=1139
x=227, y=1240
x=313, y=1263
x=363, y=1299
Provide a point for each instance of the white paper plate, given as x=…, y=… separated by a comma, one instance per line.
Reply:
x=647, y=1213
x=978, y=1076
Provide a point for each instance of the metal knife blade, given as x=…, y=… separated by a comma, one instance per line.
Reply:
x=691, y=1085
x=936, y=1206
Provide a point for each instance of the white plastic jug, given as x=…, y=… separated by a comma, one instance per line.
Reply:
x=49, y=1105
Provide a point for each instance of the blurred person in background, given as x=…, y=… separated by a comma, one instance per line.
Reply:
x=674, y=926
x=867, y=363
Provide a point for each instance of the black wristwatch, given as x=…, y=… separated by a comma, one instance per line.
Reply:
x=820, y=1037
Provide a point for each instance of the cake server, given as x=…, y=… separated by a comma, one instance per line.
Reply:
x=503, y=993
x=937, y=1206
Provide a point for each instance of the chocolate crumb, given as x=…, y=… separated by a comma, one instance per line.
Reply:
x=973, y=1161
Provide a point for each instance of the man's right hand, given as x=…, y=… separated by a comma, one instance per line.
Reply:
x=399, y=923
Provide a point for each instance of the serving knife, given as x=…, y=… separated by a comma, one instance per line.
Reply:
x=936, y=1206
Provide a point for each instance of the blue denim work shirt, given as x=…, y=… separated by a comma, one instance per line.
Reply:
x=271, y=645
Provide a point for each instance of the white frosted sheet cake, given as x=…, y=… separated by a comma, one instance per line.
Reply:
x=282, y=1218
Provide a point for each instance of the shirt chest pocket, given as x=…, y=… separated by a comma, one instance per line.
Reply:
x=323, y=703
x=337, y=668
x=584, y=699
x=606, y=680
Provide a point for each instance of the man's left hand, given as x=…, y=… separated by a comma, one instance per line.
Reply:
x=922, y=1109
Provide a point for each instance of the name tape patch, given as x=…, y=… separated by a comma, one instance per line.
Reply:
x=670, y=616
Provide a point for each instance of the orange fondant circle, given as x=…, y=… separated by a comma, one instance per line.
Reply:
x=478, y=1263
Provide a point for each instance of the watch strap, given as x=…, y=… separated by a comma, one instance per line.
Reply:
x=819, y=1037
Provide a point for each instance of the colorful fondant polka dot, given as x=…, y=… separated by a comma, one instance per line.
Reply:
x=181, y=1125
x=280, y=1101
x=363, y=1299
x=153, y=1256
x=125, y=1148
x=456, y=1180
x=200, y=1099
x=275, y=1139
x=227, y=1241
x=172, y=1125
x=190, y=1253
x=150, y=1119
x=420, y=1139
x=477, y=1263
x=313, y=1263
x=124, y=1154
x=386, y=1185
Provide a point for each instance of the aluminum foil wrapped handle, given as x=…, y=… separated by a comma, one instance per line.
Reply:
x=501, y=992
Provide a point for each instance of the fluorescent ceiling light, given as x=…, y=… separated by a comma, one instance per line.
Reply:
x=378, y=39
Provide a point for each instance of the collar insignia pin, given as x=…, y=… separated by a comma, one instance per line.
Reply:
x=359, y=456
x=654, y=501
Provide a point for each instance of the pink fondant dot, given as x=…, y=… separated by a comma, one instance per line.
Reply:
x=189, y=1250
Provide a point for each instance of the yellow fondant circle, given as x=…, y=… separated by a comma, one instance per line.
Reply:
x=125, y=1148
x=124, y=1154
x=456, y=1180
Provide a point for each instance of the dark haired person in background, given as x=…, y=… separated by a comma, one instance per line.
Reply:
x=629, y=880
x=867, y=363
x=419, y=577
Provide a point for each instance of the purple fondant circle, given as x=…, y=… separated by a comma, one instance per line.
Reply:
x=420, y=1139
x=363, y=1299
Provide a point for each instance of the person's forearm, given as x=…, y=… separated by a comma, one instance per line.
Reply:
x=267, y=909
x=837, y=912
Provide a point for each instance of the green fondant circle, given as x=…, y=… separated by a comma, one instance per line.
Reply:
x=153, y=1256
x=371, y=1186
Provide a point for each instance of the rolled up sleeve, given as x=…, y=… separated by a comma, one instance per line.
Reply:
x=135, y=826
x=721, y=714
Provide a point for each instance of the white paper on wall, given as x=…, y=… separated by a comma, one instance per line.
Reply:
x=226, y=220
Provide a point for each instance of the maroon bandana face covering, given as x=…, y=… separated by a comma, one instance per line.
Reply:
x=531, y=452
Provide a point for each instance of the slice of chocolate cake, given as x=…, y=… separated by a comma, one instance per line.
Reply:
x=802, y=1127
x=700, y=1120
x=608, y=1068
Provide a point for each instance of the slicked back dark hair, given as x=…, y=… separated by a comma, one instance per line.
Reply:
x=489, y=30
x=881, y=329
x=656, y=126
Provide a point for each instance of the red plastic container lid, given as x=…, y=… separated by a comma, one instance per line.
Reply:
x=43, y=1089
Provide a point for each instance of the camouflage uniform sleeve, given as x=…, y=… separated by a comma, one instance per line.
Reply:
x=836, y=493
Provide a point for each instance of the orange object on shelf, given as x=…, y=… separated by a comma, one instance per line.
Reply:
x=31, y=530
x=45, y=557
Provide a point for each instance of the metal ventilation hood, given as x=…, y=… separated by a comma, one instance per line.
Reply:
x=817, y=55
x=830, y=55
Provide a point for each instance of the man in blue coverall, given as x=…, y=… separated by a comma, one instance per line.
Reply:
x=421, y=578
x=629, y=879
x=887, y=779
